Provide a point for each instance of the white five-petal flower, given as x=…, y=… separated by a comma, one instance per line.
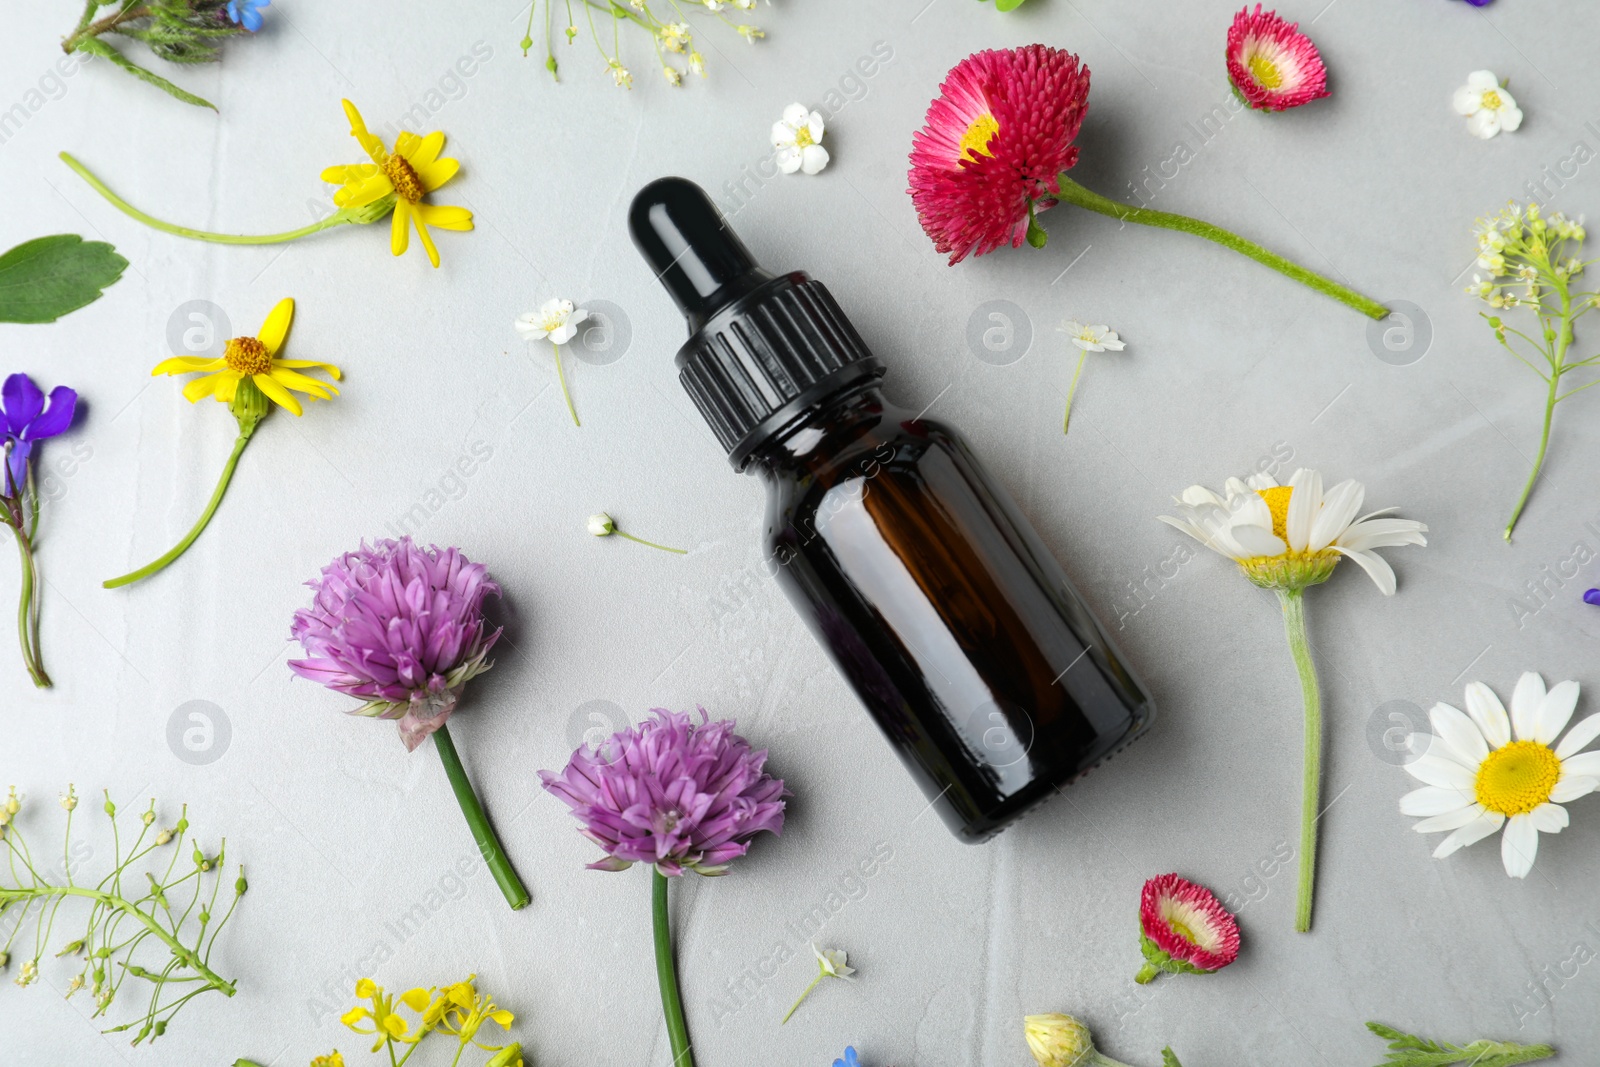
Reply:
x=1092, y=338
x=1489, y=108
x=830, y=961
x=1483, y=770
x=556, y=321
x=798, y=139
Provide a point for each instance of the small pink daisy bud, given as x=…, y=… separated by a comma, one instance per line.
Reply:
x=1184, y=929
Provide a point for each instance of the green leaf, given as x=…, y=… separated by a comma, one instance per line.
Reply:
x=98, y=47
x=1168, y=1057
x=44, y=279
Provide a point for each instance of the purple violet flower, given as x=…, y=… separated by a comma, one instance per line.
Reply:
x=401, y=627
x=28, y=419
x=681, y=796
x=1592, y=597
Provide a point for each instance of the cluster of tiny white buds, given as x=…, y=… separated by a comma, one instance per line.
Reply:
x=29, y=973
x=673, y=76
x=751, y=33
x=620, y=75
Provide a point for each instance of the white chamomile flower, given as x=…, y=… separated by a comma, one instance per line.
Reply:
x=1092, y=338
x=1489, y=108
x=830, y=964
x=797, y=137
x=1484, y=770
x=556, y=321
x=1288, y=537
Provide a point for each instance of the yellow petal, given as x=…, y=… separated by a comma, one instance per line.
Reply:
x=300, y=364
x=276, y=328
x=290, y=380
x=354, y=1015
x=187, y=365
x=405, y=143
x=364, y=192
x=415, y=999
x=426, y=150
x=358, y=130
x=277, y=393
x=394, y=1024
x=427, y=241
x=228, y=386
x=347, y=173
x=201, y=388
x=503, y=1017
x=435, y=174
x=400, y=228
x=445, y=216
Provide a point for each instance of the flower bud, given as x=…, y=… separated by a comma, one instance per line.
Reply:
x=148, y=818
x=110, y=808
x=69, y=799
x=164, y=837
x=510, y=1056
x=12, y=804
x=5, y=958
x=1058, y=1040
x=601, y=525
x=240, y=885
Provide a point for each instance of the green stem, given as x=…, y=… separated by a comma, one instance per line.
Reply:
x=27, y=612
x=1072, y=390
x=483, y=834
x=1538, y=460
x=1073, y=193
x=105, y=25
x=651, y=544
x=338, y=218
x=562, y=378
x=667, y=974
x=182, y=546
x=1147, y=974
x=804, y=993
x=1294, y=623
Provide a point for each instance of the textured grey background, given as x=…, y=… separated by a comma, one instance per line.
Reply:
x=1228, y=365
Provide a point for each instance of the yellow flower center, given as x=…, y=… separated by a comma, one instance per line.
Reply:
x=1277, y=499
x=246, y=355
x=1517, y=778
x=802, y=137
x=1265, y=71
x=1182, y=931
x=975, y=142
x=403, y=178
x=1493, y=101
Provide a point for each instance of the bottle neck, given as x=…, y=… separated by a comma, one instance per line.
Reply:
x=820, y=433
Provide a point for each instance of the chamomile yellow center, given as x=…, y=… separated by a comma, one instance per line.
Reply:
x=1516, y=778
x=1493, y=101
x=975, y=142
x=1277, y=499
x=246, y=355
x=1265, y=71
x=802, y=137
x=403, y=178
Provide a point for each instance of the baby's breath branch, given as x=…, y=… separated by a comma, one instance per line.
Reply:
x=1073, y=193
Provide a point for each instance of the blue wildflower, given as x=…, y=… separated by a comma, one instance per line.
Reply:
x=850, y=1058
x=247, y=13
x=27, y=418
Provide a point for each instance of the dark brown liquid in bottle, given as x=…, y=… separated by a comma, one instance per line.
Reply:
x=937, y=601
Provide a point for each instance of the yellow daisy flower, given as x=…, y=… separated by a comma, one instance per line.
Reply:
x=412, y=171
x=255, y=358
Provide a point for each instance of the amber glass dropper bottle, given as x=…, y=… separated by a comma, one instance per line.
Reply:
x=912, y=566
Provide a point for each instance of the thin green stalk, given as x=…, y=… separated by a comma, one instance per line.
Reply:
x=650, y=544
x=27, y=615
x=667, y=974
x=1294, y=622
x=562, y=378
x=1073, y=193
x=801, y=999
x=338, y=218
x=1072, y=390
x=1538, y=460
x=109, y=24
x=483, y=834
x=182, y=546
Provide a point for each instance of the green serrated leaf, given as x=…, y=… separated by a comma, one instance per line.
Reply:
x=46, y=278
x=1168, y=1057
x=100, y=48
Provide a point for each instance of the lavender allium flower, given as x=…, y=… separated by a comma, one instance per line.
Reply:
x=671, y=793
x=401, y=627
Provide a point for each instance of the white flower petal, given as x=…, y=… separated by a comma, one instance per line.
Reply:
x=1256, y=482
x=813, y=158
x=1579, y=736
x=1339, y=509
x=1555, y=711
x=1376, y=566
x=796, y=115
x=1583, y=765
x=1511, y=119
x=1305, y=502
x=1432, y=800
x=788, y=159
x=814, y=126
x=555, y=307
x=1450, y=820
x=528, y=327
x=1573, y=786
x=1475, y=831
x=1519, y=845
x=783, y=135
x=1257, y=542
x=1549, y=818
x=1489, y=714
x=1460, y=733
x=1467, y=101
x=1199, y=494
x=1370, y=533
x=1483, y=80
x=1507, y=101
x=563, y=333
x=1484, y=124
x=1525, y=704
x=1443, y=772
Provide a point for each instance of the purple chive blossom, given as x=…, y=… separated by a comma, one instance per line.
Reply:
x=671, y=793
x=399, y=626
x=28, y=418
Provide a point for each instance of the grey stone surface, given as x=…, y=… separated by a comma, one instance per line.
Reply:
x=1227, y=365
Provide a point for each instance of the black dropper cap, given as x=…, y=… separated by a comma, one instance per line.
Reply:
x=762, y=349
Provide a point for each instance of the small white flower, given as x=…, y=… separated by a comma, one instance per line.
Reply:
x=672, y=75
x=1478, y=779
x=1489, y=108
x=750, y=33
x=602, y=525
x=674, y=35
x=831, y=962
x=745, y=5
x=797, y=137
x=1092, y=338
x=713, y=5
x=556, y=321
x=620, y=75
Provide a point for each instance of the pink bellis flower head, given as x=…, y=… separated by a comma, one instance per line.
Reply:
x=402, y=627
x=1273, y=66
x=673, y=793
x=1184, y=929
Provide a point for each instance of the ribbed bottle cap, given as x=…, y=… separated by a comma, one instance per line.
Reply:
x=761, y=349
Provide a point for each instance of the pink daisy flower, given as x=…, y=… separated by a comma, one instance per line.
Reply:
x=993, y=147
x=1184, y=929
x=1273, y=66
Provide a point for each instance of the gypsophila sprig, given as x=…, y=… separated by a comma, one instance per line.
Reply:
x=672, y=40
x=186, y=32
x=1533, y=264
x=152, y=920
x=1409, y=1050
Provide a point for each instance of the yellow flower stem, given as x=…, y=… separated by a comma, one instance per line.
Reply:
x=338, y=218
x=1073, y=193
x=483, y=835
x=182, y=546
x=1294, y=622
x=1072, y=390
x=562, y=378
x=667, y=974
